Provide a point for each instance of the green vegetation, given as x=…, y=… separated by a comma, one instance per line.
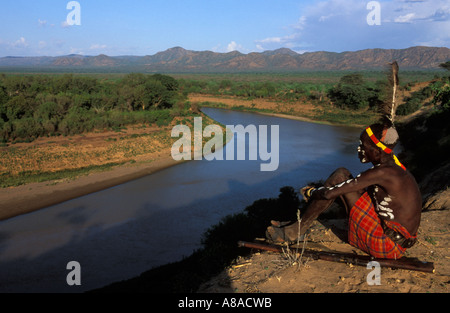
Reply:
x=282, y=90
x=426, y=139
x=352, y=92
x=434, y=93
x=349, y=98
x=446, y=65
x=288, y=87
x=43, y=105
x=7, y=180
x=33, y=106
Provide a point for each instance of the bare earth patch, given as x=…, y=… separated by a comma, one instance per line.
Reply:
x=300, y=108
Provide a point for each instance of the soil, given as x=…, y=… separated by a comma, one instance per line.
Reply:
x=294, y=108
x=270, y=272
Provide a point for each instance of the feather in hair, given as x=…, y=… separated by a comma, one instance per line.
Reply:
x=388, y=107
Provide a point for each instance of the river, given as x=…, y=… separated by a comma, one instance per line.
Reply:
x=123, y=231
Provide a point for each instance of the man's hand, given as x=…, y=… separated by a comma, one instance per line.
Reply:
x=306, y=192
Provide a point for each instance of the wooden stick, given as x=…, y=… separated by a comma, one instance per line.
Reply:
x=361, y=260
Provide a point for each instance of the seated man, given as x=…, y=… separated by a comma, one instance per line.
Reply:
x=385, y=200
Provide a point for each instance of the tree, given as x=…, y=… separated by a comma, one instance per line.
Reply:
x=445, y=65
x=15, y=85
x=350, y=96
x=134, y=79
x=3, y=100
x=442, y=92
x=352, y=79
x=352, y=93
x=168, y=82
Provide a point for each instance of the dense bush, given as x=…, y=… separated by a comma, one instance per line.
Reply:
x=38, y=105
x=284, y=90
x=441, y=91
x=437, y=92
x=353, y=93
x=426, y=140
x=415, y=101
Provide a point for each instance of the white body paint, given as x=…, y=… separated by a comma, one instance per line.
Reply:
x=381, y=208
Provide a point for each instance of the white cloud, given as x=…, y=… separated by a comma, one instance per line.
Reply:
x=301, y=23
x=42, y=23
x=341, y=25
x=271, y=43
x=76, y=51
x=323, y=18
x=233, y=46
x=21, y=43
x=417, y=11
x=272, y=40
x=65, y=24
x=440, y=15
x=98, y=47
x=408, y=18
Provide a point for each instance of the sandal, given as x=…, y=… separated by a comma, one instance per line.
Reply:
x=278, y=233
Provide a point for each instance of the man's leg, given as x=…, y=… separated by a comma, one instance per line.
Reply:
x=314, y=209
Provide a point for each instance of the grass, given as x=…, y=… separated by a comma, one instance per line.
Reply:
x=38, y=177
x=338, y=116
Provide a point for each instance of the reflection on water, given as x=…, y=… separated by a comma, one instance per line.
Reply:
x=118, y=233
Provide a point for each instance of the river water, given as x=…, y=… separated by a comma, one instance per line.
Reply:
x=123, y=231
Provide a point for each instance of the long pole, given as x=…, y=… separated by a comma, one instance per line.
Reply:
x=362, y=260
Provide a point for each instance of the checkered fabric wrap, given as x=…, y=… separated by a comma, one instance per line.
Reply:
x=365, y=231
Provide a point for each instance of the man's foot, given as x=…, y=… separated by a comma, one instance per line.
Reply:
x=282, y=232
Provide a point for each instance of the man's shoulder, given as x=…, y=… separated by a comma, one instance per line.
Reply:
x=387, y=171
x=389, y=168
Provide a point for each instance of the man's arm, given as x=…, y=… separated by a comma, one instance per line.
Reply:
x=374, y=176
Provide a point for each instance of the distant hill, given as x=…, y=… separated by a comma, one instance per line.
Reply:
x=178, y=59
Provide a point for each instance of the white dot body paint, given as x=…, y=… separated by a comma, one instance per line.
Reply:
x=383, y=208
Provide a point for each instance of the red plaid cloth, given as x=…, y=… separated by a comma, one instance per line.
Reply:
x=365, y=231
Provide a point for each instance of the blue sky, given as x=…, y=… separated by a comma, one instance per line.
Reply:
x=138, y=27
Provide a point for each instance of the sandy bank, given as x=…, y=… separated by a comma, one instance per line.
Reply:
x=31, y=197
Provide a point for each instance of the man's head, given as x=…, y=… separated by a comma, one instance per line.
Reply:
x=376, y=140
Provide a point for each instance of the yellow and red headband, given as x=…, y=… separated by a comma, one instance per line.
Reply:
x=380, y=145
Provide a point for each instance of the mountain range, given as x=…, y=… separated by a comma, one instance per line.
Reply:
x=181, y=60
